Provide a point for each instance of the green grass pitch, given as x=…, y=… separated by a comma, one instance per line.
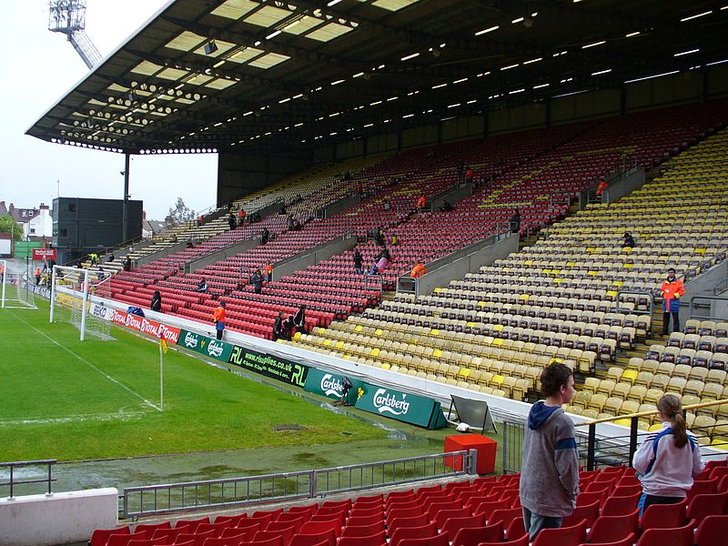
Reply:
x=65, y=399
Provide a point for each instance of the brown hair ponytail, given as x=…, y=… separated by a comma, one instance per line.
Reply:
x=671, y=408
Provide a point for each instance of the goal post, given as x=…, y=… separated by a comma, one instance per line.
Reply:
x=16, y=287
x=72, y=290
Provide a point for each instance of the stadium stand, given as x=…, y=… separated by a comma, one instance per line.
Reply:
x=494, y=330
x=329, y=288
x=289, y=191
x=396, y=181
x=463, y=513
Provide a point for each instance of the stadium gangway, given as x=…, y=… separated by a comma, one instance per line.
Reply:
x=13, y=482
x=633, y=418
x=290, y=486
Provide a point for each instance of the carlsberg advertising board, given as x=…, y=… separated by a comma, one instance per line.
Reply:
x=401, y=406
x=330, y=385
x=219, y=350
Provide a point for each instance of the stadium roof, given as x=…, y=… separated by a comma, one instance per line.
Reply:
x=267, y=75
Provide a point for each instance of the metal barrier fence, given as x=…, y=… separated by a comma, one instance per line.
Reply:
x=13, y=481
x=177, y=497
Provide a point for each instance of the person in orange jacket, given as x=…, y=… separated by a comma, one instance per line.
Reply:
x=37, y=275
x=418, y=270
x=672, y=290
x=421, y=203
x=268, y=272
x=601, y=187
x=218, y=317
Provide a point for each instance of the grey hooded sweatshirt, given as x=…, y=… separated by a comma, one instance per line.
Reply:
x=550, y=463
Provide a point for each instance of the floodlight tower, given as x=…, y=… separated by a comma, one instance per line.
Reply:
x=69, y=17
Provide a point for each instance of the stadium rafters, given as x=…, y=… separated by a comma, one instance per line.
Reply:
x=263, y=75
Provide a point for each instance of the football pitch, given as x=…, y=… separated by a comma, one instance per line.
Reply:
x=70, y=400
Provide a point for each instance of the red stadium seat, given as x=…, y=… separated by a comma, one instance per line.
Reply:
x=564, y=536
x=327, y=537
x=402, y=533
x=375, y=539
x=472, y=536
x=705, y=505
x=658, y=516
x=712, y=531
x=101, y=536
x=674, y=536
x=614, y=528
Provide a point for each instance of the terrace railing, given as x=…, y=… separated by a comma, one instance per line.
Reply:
x=14, y=474
x=288, y=486
x=597, y=451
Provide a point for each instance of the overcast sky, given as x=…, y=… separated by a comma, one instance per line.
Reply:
x=39, y=68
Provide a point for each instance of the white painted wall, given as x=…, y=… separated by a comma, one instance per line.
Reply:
x=58, y=518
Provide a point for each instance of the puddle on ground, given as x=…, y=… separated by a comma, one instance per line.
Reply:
x=189, y=467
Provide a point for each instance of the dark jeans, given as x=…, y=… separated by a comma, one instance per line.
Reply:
x=219, y=333
x=533, y=523
x=666, y=322
x=647, y=500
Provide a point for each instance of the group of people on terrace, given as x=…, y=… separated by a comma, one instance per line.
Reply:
x=284, y=327
x=666, y=461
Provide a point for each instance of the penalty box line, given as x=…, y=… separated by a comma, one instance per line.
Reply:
x=79, y=357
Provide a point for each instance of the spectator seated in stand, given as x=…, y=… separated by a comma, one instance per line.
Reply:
x=201, y=286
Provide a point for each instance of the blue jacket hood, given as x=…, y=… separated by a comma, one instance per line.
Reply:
x=540, y=413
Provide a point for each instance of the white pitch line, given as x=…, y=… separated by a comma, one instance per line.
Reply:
x=73, y=419
x=79, y=357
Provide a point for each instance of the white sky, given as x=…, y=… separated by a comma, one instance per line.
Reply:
x=39, y=67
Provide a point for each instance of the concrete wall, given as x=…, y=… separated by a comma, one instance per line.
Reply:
x=342, y=204
x=58, y=518
x=223, y=254
x=468, y=260
x=243, y=174
x=452, y=195
x=621, y=186
x=316, y=255
x=703, y=285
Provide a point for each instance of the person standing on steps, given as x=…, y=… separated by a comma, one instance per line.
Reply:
x=672, y=290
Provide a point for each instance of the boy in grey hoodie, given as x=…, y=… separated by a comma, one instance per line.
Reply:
x=550, y=462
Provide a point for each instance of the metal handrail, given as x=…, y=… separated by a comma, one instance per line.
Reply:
x=633, y=429
x=720, y=287
x=650, y=299
x=12, y=482
x=647, y=413
x=177, y=497
x=376, y=280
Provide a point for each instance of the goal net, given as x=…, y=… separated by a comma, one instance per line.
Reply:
x=17, y=290
x=76, y=298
